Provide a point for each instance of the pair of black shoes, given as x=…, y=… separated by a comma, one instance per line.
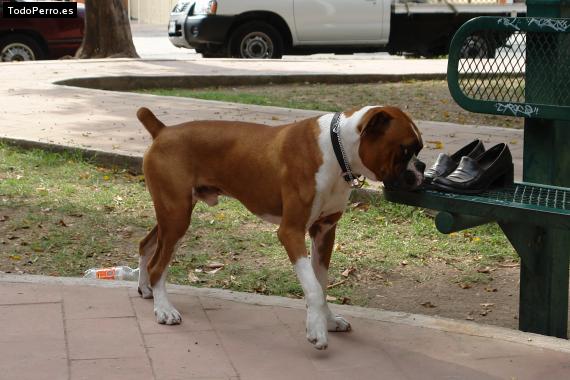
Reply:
x=471, y=170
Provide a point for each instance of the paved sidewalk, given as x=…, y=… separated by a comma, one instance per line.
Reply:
x=33, y=108
x=58, y=328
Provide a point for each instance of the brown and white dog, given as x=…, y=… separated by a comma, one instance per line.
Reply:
x=288, y=175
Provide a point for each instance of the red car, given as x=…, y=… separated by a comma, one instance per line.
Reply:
x=28, y=39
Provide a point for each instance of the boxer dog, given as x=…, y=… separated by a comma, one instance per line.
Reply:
x=298, y=176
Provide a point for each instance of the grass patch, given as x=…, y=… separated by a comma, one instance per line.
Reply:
x=423, y=100
x=60, y=215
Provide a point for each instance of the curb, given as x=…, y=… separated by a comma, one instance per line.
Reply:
x=413, y=320
x=129, y=83
x=131, y=163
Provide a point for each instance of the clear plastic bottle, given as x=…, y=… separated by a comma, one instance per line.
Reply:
x=114, y=273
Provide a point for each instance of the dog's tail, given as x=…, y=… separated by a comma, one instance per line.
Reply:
x=150, y=122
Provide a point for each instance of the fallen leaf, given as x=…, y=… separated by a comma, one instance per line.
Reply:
x=274, y=118
x=337, y=247
x=193, y=278
x=215, y=265
x=436, y=144
x=214, y=271
x=464, y=286
x=15, y=257
x=106, y=178
x=428, y=304
x=476, y=239
x=484, y=270
x=362, y=206
x=347, y=272
x=513, y=265
x=404, y=263
x=490, y=290
x=61, y=223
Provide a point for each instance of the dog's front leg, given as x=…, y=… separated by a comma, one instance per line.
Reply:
x=293, y=239
x=322, y=243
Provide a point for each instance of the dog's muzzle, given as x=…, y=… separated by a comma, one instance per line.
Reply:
x=410, y=179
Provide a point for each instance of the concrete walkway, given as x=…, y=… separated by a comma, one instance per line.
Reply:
x=58, y=328
x=33, y=108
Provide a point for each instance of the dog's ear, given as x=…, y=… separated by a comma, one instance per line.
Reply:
x=375, y=122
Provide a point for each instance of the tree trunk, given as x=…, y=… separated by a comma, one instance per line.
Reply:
x=107, y=31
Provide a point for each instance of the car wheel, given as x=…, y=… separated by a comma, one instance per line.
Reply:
x=475, y=47
x=19, y=47
x=256, y=40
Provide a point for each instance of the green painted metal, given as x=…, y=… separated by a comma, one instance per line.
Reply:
x=543, y=305
x=541, y=105
x=497, y=205
x=448, y=222
x=537, y=226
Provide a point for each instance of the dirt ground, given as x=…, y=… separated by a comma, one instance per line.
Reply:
x=432, y=291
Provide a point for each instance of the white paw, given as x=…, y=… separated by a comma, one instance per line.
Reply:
x=145, y=291
x=337, y=323
x=167, y=315
x=317, y=329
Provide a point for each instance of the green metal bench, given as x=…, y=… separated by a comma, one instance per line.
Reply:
x=524, y=71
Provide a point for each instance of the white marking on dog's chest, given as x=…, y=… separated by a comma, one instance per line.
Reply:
x=332, y=191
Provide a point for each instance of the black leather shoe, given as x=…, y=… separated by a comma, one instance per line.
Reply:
x=492, y=168
x=445, y=165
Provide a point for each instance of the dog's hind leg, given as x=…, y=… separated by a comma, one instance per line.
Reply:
x=172, y=225
x=147, y=247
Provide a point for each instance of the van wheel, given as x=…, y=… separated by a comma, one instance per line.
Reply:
x=256, y=40
x=19, y=47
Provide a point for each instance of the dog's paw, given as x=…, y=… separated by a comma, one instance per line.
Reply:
x=167, y=315
x=145, y=291
x=317, y=329
x=337, y=323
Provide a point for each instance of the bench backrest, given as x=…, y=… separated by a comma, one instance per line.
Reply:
x=520, y=67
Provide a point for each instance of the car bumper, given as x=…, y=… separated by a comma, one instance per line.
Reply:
x=193, y=31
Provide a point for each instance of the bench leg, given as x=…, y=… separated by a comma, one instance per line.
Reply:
x=545, y=253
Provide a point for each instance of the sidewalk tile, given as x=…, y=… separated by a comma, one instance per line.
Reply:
x=193, y=316
x=230, y=315
x=104, y=338
x=94, y=302
x=32, y=342
x=267, y=352
x=188, y=355
x=18, y=293
x=120, y=369
x=33, y=322
x=33, y=359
